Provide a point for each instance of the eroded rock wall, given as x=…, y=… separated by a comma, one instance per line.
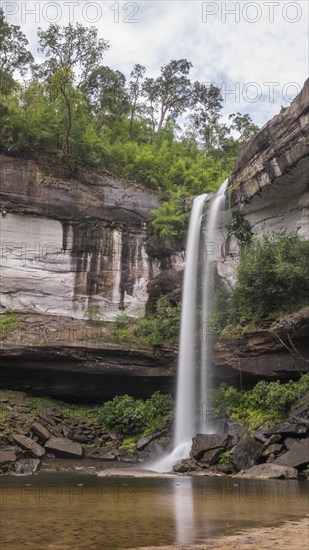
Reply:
x=74, y=248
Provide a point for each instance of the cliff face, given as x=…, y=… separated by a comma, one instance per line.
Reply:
x=270, y=188
x=74, y=248
x=270, y=183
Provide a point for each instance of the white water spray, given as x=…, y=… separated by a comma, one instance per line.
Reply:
x=193, y=354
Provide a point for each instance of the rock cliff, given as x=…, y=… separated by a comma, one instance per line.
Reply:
x=74, y=248
x=270, y=188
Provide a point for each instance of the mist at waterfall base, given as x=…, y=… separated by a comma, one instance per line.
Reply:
x=194, y=356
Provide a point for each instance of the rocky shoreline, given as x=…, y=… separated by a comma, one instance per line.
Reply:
x=32, y=436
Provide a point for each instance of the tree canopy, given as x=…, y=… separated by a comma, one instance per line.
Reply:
x=165, y=133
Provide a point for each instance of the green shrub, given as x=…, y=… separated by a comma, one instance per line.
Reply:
x=162, y=327
x=8, y=323
x=129, y=416
x=272, y=277
x=266, y=403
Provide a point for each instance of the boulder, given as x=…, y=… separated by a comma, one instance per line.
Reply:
x=289, y=442
x=246, y=453
x=275, y=449
x=297, y=456
x=28, y=444
x=205, y=442
x=143, y=441
x=287, y=429
x=186, y=465
x=40, y=430
x=63, y=447
x=210, y=457
x=7, y=458
x=269, y=471
x=27, y=466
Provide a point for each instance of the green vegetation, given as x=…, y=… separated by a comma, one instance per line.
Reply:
x=240, y=228
x=128, y=416
x=272, y=279
x=164, y=133
x=265, y=404
x=155, y=330
x=8, y=323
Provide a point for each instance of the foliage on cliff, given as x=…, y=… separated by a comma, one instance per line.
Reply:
x=155, y=330
x=266, y=403
x=272, y=279
x=164, y=133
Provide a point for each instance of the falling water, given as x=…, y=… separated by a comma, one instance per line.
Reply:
x=192, y=361
x=211, y=250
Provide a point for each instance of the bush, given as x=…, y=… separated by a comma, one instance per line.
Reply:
x=129, y=416
x=161, y=328
x=272, y=279
x=266, y=403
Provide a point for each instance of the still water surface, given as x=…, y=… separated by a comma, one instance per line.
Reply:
x=68, y=510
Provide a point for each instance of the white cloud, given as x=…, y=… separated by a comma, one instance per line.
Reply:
x=221, y=49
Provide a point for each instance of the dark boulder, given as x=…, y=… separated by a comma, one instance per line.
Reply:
x=206, y=442
x=287, y=429
x=40, y=430
x=297, y=456
x=7, y=459
x=246, y=453
x=64, y=448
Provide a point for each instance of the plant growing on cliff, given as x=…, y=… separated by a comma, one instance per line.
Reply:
x=240, y=228
x=272, y=278
x=266, y=403
x=162, y=327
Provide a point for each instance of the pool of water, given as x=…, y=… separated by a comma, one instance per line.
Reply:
x=70, y=510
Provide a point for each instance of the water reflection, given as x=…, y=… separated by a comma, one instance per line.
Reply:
x=61, y=511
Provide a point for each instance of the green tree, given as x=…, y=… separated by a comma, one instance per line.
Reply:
x=72, y=53
x=14, y=55
x=105, y=89
x=170, y=93
x=272, y=277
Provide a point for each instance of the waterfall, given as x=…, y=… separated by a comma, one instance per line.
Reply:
x=193, y=354
x=210, y=250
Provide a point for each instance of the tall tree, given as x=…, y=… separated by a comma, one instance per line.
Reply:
x=170, y=93
x=105, y=90
x=135, y=90
x=13, y=53
x=72, y=53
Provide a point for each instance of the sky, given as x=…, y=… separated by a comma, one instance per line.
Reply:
x=255, y=51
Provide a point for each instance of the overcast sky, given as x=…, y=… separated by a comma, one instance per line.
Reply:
x=256, y=51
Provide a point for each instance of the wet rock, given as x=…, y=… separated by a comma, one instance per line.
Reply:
x=269, y=471
x=40, y=430
x=186, y=465
x=205, y=442
x=27, y=466
x=64, y=448
x=28, y=444
x=297, y=456
x=211, y=456
x=246, y=453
